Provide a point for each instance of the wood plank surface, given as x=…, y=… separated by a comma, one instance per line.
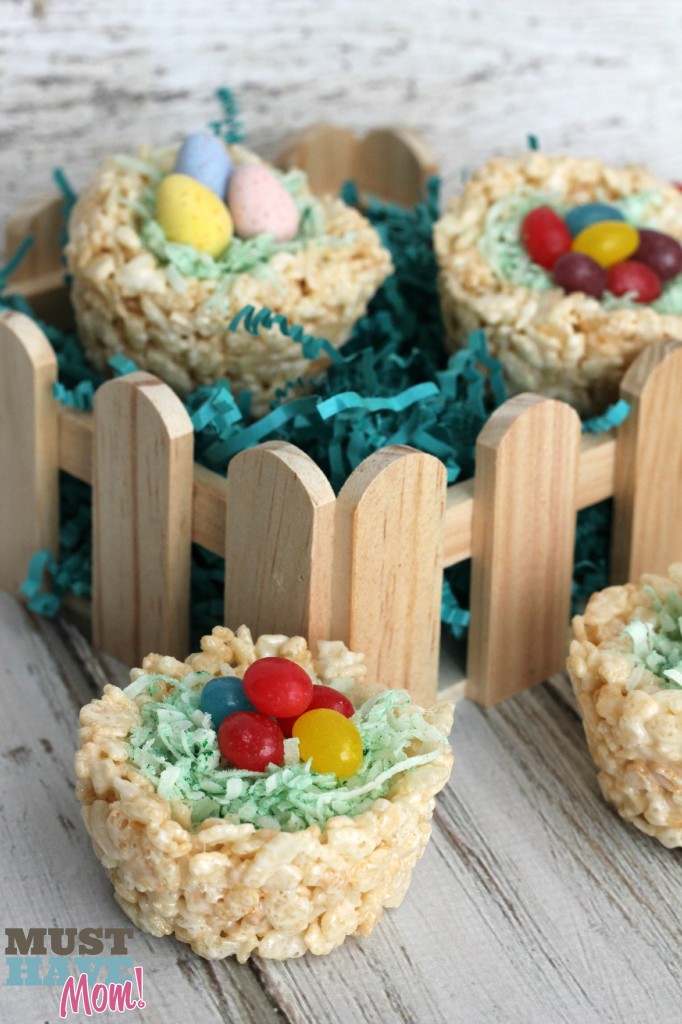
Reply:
x=533, y=904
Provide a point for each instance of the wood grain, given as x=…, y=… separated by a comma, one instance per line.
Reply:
x=648, y=470
x=387, y=567
x=533, y=902
x=142, y=519
x=29, y=470
x=279, y=543
x=522, y=546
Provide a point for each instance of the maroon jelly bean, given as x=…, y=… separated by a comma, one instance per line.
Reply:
x=661, y=252
x=575, y=272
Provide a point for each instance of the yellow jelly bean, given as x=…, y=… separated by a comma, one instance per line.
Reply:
x=193, y=214
x=331, y=740
x=607, y=242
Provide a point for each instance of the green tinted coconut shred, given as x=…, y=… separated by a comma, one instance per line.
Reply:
x=242, y=255
x=502, y=248
x=658, y=646
x=176, y=748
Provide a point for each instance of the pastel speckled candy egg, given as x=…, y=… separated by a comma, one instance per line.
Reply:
x=192, y=214
x=590, y=213
x=259, y=203
x=607, y=242
x=204, y=157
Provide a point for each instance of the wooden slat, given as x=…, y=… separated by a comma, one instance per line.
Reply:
x=42, y=218
x=279, y=543
x=76, y=440
x=388, y=567
x=392, y=163
x=595, y=483
x=209, y=506
x=29, y=470
x=523, y=538
x=142, y=519
x=647, y=530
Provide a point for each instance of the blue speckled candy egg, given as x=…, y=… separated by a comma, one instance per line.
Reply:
x=204, y=157
x=590, y=213
x=221, y=697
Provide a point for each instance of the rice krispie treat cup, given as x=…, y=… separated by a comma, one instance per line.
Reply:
x=276, y=863
x=567, y=345
x=169, y=307
x=625, y=664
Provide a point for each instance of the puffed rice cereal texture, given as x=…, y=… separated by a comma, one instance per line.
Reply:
x=124, y=300
x=232, y=889
x=634, y=734
x=566, y=346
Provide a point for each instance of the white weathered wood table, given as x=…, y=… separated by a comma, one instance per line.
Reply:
x=533, y=904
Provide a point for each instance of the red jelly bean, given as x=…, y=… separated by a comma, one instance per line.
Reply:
x=659, y=251
x=278, y=687
x=251, y=741
x=632, y=276
x=545, y=236
x=575, y=272
x=323, y=697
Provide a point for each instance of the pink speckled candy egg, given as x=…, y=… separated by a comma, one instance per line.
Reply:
x=258, y=203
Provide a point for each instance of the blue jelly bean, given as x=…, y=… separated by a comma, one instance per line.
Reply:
x=221, y=697
x=204, y=157
x=590, y=213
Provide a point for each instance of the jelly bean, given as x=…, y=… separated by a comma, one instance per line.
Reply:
x=251, y=741
x=608, y=242
x=221, y=697
x=575, y=272
x=278, y=687
x=259, y=203
x=590, y=213
x=190, y=213
x=636, y=277
x=205, y=158
x=323, y=697
x=545, y=236
x=330, y=740
x=661, y=252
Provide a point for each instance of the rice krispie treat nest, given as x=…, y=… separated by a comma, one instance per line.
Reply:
x=566, y=345
x=625, y=664
x=168, y=306
x=275, y=863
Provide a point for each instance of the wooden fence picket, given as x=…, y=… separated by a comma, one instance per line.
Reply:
x=279, y=541
x=142, y=519
x=522, y=546
x=29, y=456
x=388, y=567
x=647, y=528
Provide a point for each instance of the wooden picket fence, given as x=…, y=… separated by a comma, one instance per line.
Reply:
x=364, y=566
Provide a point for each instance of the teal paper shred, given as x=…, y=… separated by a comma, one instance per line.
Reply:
x=611, y=417
x=392, y=383
x=69, y=197
x=533, y=143
x=229, y=127
x=253, y=320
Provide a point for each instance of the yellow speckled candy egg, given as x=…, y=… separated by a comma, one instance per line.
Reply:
x=193, y=214
x=607, y=242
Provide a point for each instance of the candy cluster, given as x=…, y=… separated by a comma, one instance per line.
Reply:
x=276, y=700
x=593, y=249
x=206, y=199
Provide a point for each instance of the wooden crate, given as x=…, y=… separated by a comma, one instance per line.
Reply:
x=364, y=566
